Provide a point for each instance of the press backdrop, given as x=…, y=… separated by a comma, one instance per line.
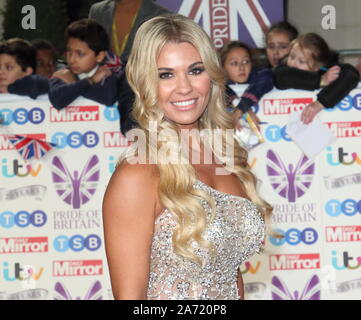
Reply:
x=51, y=236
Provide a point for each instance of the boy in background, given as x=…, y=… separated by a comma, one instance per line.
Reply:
x=86, y=46
x=17, y=66
x=46, y=57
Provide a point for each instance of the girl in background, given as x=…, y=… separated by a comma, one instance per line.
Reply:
x=278, y=40
x=311, y=65
x=236, y=58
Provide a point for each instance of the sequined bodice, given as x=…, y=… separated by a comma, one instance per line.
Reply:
x=236, y=232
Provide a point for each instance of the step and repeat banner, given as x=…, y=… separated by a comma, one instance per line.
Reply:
x=51, y=238
x=55, y=166
x=317, y=205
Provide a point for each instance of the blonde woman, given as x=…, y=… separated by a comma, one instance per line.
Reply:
x=178, y=224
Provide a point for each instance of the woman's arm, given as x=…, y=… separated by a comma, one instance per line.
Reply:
x=129, y=208
x=240, y=285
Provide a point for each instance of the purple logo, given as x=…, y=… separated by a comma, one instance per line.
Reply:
x=94, y=292
x=292, y=182
x=311, y=290
x=75, y=189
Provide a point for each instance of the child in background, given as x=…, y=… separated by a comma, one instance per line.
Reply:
x=278, y=40
x=17, y=66
x=236, y=60
x=312, y=65
x=86, y=46
x=46, y=57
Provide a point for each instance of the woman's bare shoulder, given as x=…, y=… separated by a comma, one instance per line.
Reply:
x=134, y=175
x=132, y=189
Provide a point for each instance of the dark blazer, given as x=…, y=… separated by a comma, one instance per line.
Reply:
x=260, y=81
x=61, y=94
x=32, y=86
x=103, y=13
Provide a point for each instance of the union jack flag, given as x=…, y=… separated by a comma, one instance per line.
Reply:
x=244, y=20
x=113, y=62
x=30, y=147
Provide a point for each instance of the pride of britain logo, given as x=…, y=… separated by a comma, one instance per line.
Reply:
x=289, y=181
x=311, y=290
x=73, y=188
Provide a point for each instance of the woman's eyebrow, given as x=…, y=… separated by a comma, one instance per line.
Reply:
x=194, y=64
x=190, y=66
x=165, y=69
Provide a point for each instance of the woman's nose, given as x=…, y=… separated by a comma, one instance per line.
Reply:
x=184, y=85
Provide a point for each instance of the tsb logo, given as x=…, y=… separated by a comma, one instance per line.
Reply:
x=22, y=219
x=348, y=207
x=294, y=237
x=75, y=139
x=275, y=133
x=22, y=116
x=347, y=103
x=77, y=243
x=111, y=113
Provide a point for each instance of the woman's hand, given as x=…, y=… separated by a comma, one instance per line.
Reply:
x=309, y=113
x=330, y=76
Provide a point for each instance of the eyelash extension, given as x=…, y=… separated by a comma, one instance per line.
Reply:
x=164, y=75
x=198, y=70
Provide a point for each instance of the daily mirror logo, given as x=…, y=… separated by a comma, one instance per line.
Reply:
x=24, y=245
x=343, y=233
x=74, y=114
x=77, y=268
x=284, y=106
x=345, y=129
x=294, y=261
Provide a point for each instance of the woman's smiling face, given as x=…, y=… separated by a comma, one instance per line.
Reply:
x=184, y=85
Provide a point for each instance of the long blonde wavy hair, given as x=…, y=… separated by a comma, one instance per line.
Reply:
x=176, y=186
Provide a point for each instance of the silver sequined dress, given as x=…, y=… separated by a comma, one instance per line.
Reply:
x=237, y=232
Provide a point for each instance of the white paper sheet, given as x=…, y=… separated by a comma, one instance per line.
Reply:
x=311, y=138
